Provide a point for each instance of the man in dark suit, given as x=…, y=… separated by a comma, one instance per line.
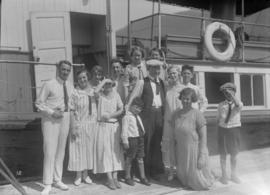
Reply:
x=152, y=92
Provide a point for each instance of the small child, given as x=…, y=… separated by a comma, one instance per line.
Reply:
x=229, y=124
x=133, y=141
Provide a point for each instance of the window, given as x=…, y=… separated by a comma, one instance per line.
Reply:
x=252, y=89
x=213, y=81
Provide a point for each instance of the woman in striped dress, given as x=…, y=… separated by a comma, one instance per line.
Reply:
x=84, y=121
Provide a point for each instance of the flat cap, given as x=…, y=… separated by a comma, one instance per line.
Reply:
x=228, y=86
x=154, y=62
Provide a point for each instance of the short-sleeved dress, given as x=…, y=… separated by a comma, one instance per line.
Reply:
x=186, y=150
x=108, y=155
x=85, y=120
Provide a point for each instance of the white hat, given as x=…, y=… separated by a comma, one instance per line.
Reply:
x=154, y=62
x=109, y=81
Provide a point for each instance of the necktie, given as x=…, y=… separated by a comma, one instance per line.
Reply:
x=65, y=96
x=90, y=105
x=140, y=73
x=157, y=85
x=229, y=113
x=140, y=129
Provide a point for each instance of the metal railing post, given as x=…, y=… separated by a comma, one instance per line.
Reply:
x=243, y=31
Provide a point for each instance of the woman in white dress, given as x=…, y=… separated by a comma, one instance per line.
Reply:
x=84, y=122
x=108, y=152
x=172, y=103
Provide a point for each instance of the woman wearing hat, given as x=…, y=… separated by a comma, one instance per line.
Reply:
x=108, y=156
x=229, y=123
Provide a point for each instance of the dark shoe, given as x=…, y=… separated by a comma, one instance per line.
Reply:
x=235, y=179
x=224, y=180
x=111, y=184
x=145, y=182
x=117, y=184
x=130, y=182
x=156, y=177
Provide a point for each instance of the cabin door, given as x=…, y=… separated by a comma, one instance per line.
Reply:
x=51, y=38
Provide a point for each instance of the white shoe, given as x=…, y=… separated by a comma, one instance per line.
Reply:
x=61, y=185
x=78, y=181
x=47, y=189
x=88, y=180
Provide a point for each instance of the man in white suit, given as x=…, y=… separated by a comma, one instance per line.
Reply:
x=52, y=102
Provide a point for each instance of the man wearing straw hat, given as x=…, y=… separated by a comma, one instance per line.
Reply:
x=152, y=92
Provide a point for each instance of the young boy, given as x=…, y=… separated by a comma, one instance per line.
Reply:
x=133, y=141
x=229, y=124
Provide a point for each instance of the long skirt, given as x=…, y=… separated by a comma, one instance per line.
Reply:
x=108, y=154
x=81, y=148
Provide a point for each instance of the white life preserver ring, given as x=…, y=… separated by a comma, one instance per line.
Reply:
x=228, y=53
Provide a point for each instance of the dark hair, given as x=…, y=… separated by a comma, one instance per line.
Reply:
x=187, y=67
x=138, y=102
x=188, y=92
x=155, y=50
x=82, y=71
x=60, y=63
x=95, y=69
x=136, y=48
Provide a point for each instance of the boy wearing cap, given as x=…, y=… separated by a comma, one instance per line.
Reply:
x=229, y=124
x=152, y=92
x=133, y=140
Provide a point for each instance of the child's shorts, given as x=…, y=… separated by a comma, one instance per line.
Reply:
x=136, y=147
x=228, y=140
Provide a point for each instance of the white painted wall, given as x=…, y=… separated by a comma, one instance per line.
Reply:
x=15, y=24
x=15, y=20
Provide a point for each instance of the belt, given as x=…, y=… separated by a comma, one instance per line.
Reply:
x=113, y=122
x=156, y=107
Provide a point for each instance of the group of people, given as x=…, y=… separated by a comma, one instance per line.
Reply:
x=148, y=113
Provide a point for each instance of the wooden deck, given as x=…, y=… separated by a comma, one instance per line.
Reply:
x=254, y=170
